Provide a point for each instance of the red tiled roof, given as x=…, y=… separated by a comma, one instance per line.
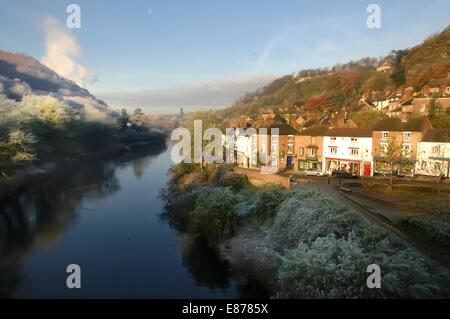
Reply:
x=350, y=132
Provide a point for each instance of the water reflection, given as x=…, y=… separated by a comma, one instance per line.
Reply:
x=40, y=215
x=106, y=213
x=204, y=265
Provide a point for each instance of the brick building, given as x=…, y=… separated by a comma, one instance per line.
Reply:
x=309, y=148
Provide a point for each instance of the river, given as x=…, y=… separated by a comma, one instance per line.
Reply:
x=105, y=217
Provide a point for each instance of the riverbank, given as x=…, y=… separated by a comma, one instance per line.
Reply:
x=31, y=175
x=296, y=243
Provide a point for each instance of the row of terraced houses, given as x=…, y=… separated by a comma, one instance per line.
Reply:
x=356, y=150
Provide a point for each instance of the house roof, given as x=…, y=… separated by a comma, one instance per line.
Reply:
x=316, y=130
x=437, y=135
x=284, y=129
x=350, y=132
x=417, y=124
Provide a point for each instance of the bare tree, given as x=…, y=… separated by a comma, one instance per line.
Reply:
x=393, y=159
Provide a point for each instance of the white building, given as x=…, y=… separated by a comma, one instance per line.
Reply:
x=348, y=149
x=247, y=148
x=433, y=153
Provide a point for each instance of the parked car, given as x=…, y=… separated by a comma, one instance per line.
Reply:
x=313, y=172
x=343, y=174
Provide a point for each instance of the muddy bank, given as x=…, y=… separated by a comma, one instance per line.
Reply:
x=33, y=174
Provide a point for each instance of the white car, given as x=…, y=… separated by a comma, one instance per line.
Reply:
x=313, y=172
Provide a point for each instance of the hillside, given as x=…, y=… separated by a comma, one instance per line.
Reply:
x=430, y=60
x=45, y=118
x=21, y=75
x=323, y=90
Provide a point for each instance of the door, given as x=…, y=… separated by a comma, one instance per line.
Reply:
x=289, y=162
x=367, y=170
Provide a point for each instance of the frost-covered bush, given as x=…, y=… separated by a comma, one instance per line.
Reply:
x=215, y=213
x=16, y=149
x=433, y=231
x=268, y=200
x=49, y=109
x=329, y=267
x=306, y=215
x=92, y=110
x=234, y=180
x=331, y=247
x=24, y=140
x=255, y=258
x=333, y=267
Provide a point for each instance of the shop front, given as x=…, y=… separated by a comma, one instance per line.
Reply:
x=352, y=166
x=309, y=164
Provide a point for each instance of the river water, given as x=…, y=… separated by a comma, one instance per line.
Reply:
x=105, y=217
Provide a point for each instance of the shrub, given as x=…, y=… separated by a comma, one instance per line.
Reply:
x=306, y=215
x=16, y=150
x=256, y=259
x=215, y=214
x=234, y=180
x=182, y=169
x=433, y=231
x=268, y=200
x=329, y=267
x=333, y=267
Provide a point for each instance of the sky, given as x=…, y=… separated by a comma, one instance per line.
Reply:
x=163, y=55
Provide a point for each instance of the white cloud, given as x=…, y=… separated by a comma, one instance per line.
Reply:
x=214, y=94
x=61, y=51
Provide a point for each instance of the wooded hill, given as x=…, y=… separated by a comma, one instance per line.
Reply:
x=323, y=90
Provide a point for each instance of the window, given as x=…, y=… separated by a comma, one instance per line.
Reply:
x=437, y=166
x=436, y=149
x=384, y=135
x=290, y=148
x=312, y=152
x=406, y=149
x=407, y=136
x=274, y=148
x=354, y=151
x=290, y=138
x=422, y=108
x=354, y=140
x=383, y=149
x=301, y=151
x=424, y=165
x=333, y=150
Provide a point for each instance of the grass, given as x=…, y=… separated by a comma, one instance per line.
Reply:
x=352, y=184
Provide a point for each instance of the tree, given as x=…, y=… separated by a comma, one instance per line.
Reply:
x=438, y=118
x=16, y=149
x=138, y=117
x=367, y=118
x=123, y=119
x=393, y=159
x=49, y=109
x=209, y=119
x=398, y=75
x=215, y=214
